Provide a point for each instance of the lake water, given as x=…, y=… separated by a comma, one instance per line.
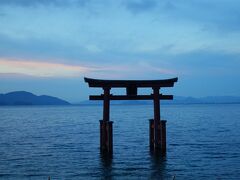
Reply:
x=203, y=142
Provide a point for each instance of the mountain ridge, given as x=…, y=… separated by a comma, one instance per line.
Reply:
x=27, y=98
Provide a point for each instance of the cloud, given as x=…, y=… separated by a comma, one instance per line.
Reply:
x=214, y=15
x=137, y=70
x=29, y=3
x=35, y=68
x=172, y=27
x=206, y=64
x=42, y=69
x=140, y=6
x=158, y=69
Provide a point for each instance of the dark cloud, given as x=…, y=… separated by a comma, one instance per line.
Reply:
x=35, y=48
x=204, y=59
x=27, y=3
x=169, y=5
x=53, y=50
x=212, y=15
x=140, y=6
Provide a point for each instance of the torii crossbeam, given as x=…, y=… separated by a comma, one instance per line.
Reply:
x=157, y=128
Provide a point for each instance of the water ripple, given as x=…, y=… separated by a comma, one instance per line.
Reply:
x=63, y=143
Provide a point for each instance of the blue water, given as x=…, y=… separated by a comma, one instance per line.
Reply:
x=203, y=142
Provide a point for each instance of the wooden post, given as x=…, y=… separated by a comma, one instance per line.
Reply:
x=106, y=103
x=106, y=140
x=163, y=136
x=157, y=133
x=151, y=134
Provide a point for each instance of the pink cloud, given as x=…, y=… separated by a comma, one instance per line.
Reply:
x=42, y=69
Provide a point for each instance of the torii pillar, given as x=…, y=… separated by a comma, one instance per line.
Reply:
x=106, y=138
x=157, y=127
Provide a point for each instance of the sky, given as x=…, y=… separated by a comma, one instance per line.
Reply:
x=48, y=46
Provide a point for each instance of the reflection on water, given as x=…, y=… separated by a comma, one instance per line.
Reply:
x=106, y=166
x=63, y=143
x=158, y=166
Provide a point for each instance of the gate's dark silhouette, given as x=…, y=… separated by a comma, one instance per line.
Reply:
x=157, y=127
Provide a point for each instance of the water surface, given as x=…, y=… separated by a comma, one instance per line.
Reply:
x=63, y=142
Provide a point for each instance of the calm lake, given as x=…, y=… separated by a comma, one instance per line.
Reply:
x=203, y=142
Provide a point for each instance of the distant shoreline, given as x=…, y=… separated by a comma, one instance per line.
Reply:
x=151, y=104
x=147, y=104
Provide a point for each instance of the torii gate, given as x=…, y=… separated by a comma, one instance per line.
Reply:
x=157, y=127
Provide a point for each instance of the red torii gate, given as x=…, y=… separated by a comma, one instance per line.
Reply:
x=157, y=127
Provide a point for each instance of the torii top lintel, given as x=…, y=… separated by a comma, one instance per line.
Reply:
x=128, y=83
x=131, y=88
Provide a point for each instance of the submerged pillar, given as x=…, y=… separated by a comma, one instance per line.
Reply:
x=106, y=140
x=163, y=136
x=151, y=134
x=157, y=130
x=163, y=141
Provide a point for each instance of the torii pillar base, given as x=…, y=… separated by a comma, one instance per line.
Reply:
x=106, y=137
x=158, y=145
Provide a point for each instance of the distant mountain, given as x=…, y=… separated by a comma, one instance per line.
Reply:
x=177, y=100
x=27, y=98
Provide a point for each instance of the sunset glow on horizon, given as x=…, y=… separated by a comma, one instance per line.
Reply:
x=42, y=69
